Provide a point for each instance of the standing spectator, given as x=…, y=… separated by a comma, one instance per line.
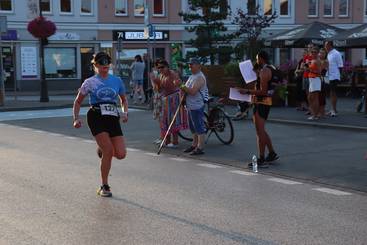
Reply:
x=157, y=98
x=324, y=78
x=262, y=102
x=306, y=62
x=103, y=117
x=301, y=93
x=169, y=85
x=314, y=77
x=335, y=66
x=137, y=73
x=196, y=94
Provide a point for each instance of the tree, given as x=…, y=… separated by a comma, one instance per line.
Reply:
x=207, y=17
x=251, y=25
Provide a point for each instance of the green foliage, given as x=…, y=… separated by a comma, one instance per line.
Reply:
x=206, y=21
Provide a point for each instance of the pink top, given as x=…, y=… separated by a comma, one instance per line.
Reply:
x=168, y=84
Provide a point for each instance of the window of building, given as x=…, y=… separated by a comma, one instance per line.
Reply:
x=6, y=6
x=138, y=7
x=328, y=8
x=158, y=7
x=60, y=63
x=251, y=7
x=313, y=8
x=121, y=7
x=45, y=6
x=268, y=7
x=86, y=7
x=343, y=8
x=284, y=7
x=66, y=6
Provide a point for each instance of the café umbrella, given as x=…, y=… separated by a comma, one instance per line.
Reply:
x=353, y=38
x=300, y=36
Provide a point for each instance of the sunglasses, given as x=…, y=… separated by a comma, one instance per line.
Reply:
x=161, y=67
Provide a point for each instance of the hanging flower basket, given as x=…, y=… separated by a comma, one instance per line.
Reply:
x=41, y=28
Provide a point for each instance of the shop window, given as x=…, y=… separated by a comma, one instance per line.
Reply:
x=45, y=6
x=65, y=6
x=138, y=7
x=86, y=7
x=251, y=7
x=6, y=5
x=313, y=8
x=158, y=7
x=328, y=8
x=60, y=63
x=343, y=8
x=284, y=7
x=268, y=7
x=120, y=7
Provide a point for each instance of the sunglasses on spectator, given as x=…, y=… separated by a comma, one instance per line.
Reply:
x=161, y=67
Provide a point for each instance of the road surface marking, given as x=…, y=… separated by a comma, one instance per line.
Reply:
x=70, y=137
x=39, y=131
x=332, y=191
x=207, y=165
x=89, y=141
x=132, y=149
x=284, y=181
x=179, y=159
x=151, y=154
x=243, y=173
x=22, y=128
x=55, y=134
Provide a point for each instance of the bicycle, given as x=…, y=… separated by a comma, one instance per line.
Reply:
x=217, y=122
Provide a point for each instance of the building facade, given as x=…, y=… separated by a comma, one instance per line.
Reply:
x=68, y=54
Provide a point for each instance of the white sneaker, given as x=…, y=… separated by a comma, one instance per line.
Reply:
x=333, y=114
x=173, y=146
x=158, y=141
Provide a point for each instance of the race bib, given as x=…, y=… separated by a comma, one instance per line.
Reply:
x=109, y=109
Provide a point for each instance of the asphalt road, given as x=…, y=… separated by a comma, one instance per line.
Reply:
x=49, y=175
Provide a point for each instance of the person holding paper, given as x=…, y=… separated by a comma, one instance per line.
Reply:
x=262, y=102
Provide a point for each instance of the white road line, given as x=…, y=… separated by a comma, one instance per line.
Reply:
x=132, y=149
x=70, y=137
x=39, y=131
x=179, y=159
x=243, y=173
x=89, y=141
x=151, y=154
x=55, y=134
x=206, y=165
x=284, y=181
x=333, y=191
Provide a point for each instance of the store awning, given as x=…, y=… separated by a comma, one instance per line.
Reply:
x=353, y=38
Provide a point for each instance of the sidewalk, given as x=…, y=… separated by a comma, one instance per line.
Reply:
x=347, y=118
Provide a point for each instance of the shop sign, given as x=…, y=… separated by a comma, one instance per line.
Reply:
x=10, y=35
x=140, y=35
x=29, y=62
x=65, y=36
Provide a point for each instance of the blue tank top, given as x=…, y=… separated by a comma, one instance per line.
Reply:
x=103, y=90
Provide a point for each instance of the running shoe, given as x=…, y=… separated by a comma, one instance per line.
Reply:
x=173, y=146
x=104, y=191
x=271, y=157
x=260, y=163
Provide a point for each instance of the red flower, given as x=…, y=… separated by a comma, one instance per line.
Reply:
x=41, y=28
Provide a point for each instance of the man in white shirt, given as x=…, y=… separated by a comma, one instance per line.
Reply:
x=335, y=66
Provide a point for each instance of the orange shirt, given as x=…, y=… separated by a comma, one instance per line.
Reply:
x=314, y=71
x=306, y=59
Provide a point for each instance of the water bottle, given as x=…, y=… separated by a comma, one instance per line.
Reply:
x=254, y=163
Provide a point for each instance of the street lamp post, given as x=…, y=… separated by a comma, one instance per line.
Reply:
x=44, y=90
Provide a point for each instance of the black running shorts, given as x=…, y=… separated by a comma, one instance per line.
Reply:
x=98, y=123
x=263, y=110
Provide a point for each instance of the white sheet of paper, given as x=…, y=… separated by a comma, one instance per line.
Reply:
x=234, y=94
x=247, y=71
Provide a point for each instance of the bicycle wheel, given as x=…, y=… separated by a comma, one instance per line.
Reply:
x=222, y=126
